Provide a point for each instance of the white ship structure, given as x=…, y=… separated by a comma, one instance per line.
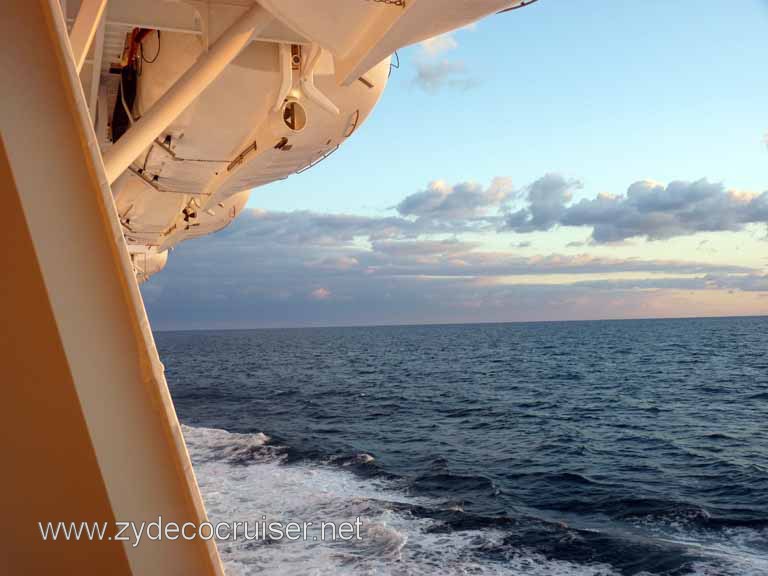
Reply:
x=129, y=126
x=195, y=104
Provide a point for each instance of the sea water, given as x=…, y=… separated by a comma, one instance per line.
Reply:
x=573, y=449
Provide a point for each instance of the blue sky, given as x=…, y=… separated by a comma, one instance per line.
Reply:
x=599, y=95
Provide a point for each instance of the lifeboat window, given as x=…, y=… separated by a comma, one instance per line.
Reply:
x=294, y=116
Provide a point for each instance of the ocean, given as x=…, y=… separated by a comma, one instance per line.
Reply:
x=566, y=449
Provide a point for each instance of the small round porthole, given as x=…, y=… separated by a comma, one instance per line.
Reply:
x=294, y=116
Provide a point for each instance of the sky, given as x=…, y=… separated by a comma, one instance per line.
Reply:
x=575, y=159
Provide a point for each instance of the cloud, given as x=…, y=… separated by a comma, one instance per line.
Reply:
x=298, y=268
x=320, y=294
x=434, y=71
x=429, y=260
x=439, y=44
x=754, y=282
x=315, y=229
x=463, y=201
x=547, y=198
x=434, y=76
x=454, y=258
x=647, y=210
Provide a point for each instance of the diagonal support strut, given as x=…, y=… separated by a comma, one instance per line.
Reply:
x=184, y=91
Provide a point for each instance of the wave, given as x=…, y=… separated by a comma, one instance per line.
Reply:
x=212, y=444
x=398, y=539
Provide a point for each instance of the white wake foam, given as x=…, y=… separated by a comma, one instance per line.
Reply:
x=735, y=551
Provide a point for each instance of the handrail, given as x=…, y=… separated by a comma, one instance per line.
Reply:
x=317, y=161
x=523, y=4
x=352, y=129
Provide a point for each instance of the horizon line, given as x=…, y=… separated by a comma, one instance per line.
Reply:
x=480, y=323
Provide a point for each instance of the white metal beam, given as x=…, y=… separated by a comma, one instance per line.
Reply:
x=184, y=91
x=98, y=51
x=84, y=29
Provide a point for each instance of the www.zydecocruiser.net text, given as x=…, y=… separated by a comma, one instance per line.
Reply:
x=157, y=530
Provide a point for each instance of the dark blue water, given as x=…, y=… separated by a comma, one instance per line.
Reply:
x=584, y=448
